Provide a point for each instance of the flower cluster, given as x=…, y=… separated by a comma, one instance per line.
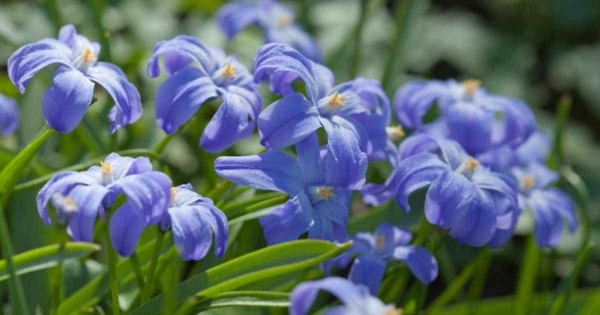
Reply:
x=275, y=20
x=80, y=197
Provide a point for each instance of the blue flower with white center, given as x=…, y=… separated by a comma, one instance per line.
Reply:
x=470, y=115
x=550, y=206
x=9, y=115
x=214, y=75
x=462, y=196
x=191, y=217
x=80, y=196
x=358, y=108
x=388, y=243
x=275, y=20
x=320, y=186
x=355, y=298
x=65, y=103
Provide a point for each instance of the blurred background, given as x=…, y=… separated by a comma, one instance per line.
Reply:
x=537, y=51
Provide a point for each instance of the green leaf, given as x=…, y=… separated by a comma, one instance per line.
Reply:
x=46, y=257
x=246, y=298
x=93, y=292
x=527, y=278
x=265, y=263
x=14, y=170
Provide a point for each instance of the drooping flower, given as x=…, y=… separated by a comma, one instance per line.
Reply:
x=214, y=75
x=191, y=218
x=82, y=196
x=275, y=20
x=463, y=195
x=358, y=108
x=355, y=298
x=64, y=104
x=550, y=206
x=388, y=243
x=470, y=115
x=319, y=186
x=9, y=115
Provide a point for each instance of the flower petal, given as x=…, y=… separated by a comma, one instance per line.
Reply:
x=288, y=222
x=420, y=261
x=65, y=103
x=128, y=105
x=396, y=236
x=9, y=115
x=271, y=170
x=498, y=183
x=369, y=272
x=148, y=194
x=233, y=17
x=88, y=200
x=276, y=58
x=345, y=165
x=24, y=63
x=479, y=223
x=191, y=233
x=414, y=99
x=470, y=126
x=449, y=197
x=297, y=38
x=563, y=205
x=303, y=295
x=126, y=227
x=548, y=224
x=417, y=172
x=336, y=208
x=287, y=121
x=309, y=156
x=234, y=120
x=186, y=47
x=180, y=96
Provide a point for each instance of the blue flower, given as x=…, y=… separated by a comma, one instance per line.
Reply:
x=462, y=196
x=475, y=118
x=358, y=108
x=192, y=217
x=9, y=115
x=80, y=196
x=65, y=103
x=319, y=186
x=550, y=206
x=188, y=87
x=388, y=243
x=275, y=20
x=355, y=298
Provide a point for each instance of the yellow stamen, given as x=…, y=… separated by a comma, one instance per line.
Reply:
x=471, y=164
x=229, y=70
x=88, y=55
x=337, y=100
x=471, y=85
x=69, y=202
x=528, y=182
x=326, y=192
x=106, y=168
x=380, y=241
x=393, y=311
x=173, y=193
x=395, y=133
x=284, y=20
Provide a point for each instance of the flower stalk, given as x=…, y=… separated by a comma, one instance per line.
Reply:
x=153, y=263
x=112, y=266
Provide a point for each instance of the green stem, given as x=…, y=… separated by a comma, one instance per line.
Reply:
x=148, y=287
x=232, y=208
x=16, y=287
x=54, y=14
x=58, y=272
x=481, y=274
x=137, y=269
x=562, y=116
x=219, y=189
x=354, y=65
x=112, y=267
x=527, y=278
x=393, y=59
